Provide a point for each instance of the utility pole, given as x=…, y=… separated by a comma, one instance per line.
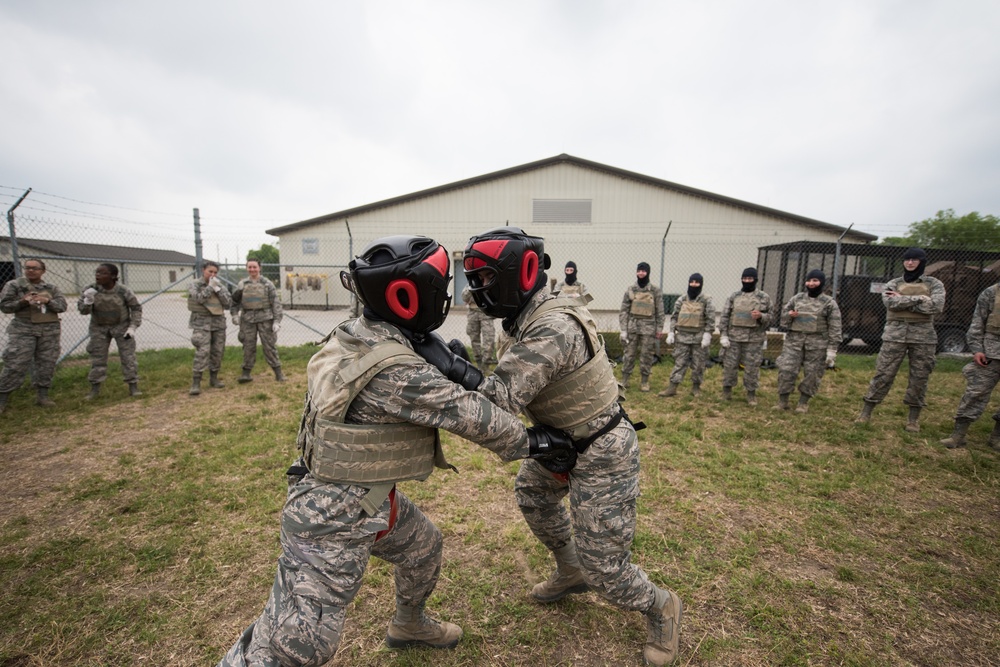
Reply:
x=197, y=244
x=13, y=236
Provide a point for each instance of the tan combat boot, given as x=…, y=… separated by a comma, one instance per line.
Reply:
x=625, y=377
x=278, y=375
x=957, y=437
x=42, y=398
x=912, y=423
x=671, y=390
x=412, y=627
x=214, y=381
x=95, y=391
x=782, y=402
x=245, y=376
x=803, y=406
x=645, y=383
x=195, y=385
x=663, y=623
x=866, y=413
x=133, y=389
x=752, y=399
x=566, y=580
x=696, y=390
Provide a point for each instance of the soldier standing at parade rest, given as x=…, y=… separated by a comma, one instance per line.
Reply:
x=261, y=314
x=373, y=410
x=33, y=333
x=115, y=314
x=570, y=285
x=689, y=330
x=983, y=372
x=743, y=331
x=641, y=320
x=554, y=368
x=814, y=330
x=208, y=300
x=911, y=302
x=479, y=328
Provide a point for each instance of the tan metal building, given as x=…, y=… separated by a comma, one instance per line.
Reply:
x=605, y=219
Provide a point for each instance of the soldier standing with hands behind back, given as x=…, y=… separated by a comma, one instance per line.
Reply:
x=115, y=314
x=208, y=300
x=641, y=321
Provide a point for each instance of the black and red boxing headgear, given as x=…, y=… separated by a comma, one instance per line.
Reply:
x=505, y=267
x=404, y=280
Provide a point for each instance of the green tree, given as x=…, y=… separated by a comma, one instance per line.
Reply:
x=947, y=230
x=268, y=257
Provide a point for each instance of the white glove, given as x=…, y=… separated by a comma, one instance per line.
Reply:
x=670, y=338
x=88, y=296
x=214, y=283
x=831, y=358
x=236, y=319
x=724, y=341
x=130, y=333
x=706, y=339
x=624, y=338
x=276, y=327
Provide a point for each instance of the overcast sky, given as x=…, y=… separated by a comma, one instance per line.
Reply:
x=872, y=112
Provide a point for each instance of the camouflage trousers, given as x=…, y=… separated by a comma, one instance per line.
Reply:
x=601, y=518
x=645, y=346
x=30, y=347
x=319, y=576
x=979, y=384
x=482, y=333
x=689, y=355
x=209, y=346
x=97, y=348
x=922, y=358
x=751, y=355
x=797, y=356
x=248, y=334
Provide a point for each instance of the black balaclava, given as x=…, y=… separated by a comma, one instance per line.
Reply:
x=643, y=266
x=571, y=277
x=819, y=275
x=915, y=253
x=749, y=272
x=693, y=292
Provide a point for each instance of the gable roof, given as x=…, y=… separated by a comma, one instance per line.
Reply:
x=586, y=164
x=105, y=252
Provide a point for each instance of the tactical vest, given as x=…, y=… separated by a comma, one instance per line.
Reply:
x=586, y=393
x=993, y=319
x=109, y=308
x=576, y=289
x=375, y=456
x=254, y=296
x=911, y=289
x=742, y=305
x=811, y=318
x=34, y=314
x=691, y=317
x=642, y=303
x=211, y=307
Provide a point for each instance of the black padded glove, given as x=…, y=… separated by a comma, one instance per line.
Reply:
x=552, y=448
x=437, y=353
x=458, y=347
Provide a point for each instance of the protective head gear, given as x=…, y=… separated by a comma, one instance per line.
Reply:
x=403, y=280
x=643, y=266
x=915, y=253
x=505, y=267
x=693, y=292
x=821, y=277
x=749, y=272
x=571, y=275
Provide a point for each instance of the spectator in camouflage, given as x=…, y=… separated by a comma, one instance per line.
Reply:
x=743, y=332
x=983, y=372
x=570, y=285
x=690, y=332
x=814, y=332
x=911, y=302
x=482, y=334
x=641, y=322
x=115, y=314
x=257, y=311
x=33, y=333
x=208, y=300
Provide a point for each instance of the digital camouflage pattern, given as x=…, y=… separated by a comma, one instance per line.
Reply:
x=327, y=538
x=807, y=351
x=746, y=344
x=603, y=486
x=480, y=330
x=641, y=331
x=258, y=323
x=915, y=340
x=101, y=335
x=31, y=346
x=981, y=380
x=688, y=352
x=208, y=333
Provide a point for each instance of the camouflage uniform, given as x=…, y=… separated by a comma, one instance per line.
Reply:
x=326, y=535
x=603, y=486
x=31, y=344
x=479, y=327
x=640, y=327
x=909, y=332
x=688, y=351
x=208, y=333
x=983, y=336
x=807, y=350
x=746, y=337
x=114, y=311
x=258, y=317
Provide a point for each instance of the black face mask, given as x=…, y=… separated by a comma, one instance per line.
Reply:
x=750, y=287
x=571, y=278
x=642, y=281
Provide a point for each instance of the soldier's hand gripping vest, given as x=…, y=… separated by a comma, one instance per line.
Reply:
x=211, y=307
x=742, y=305
x=811, y=318
x=35, y=314
x=911, y=289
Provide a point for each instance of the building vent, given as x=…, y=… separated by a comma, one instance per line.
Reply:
x=574, y=211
